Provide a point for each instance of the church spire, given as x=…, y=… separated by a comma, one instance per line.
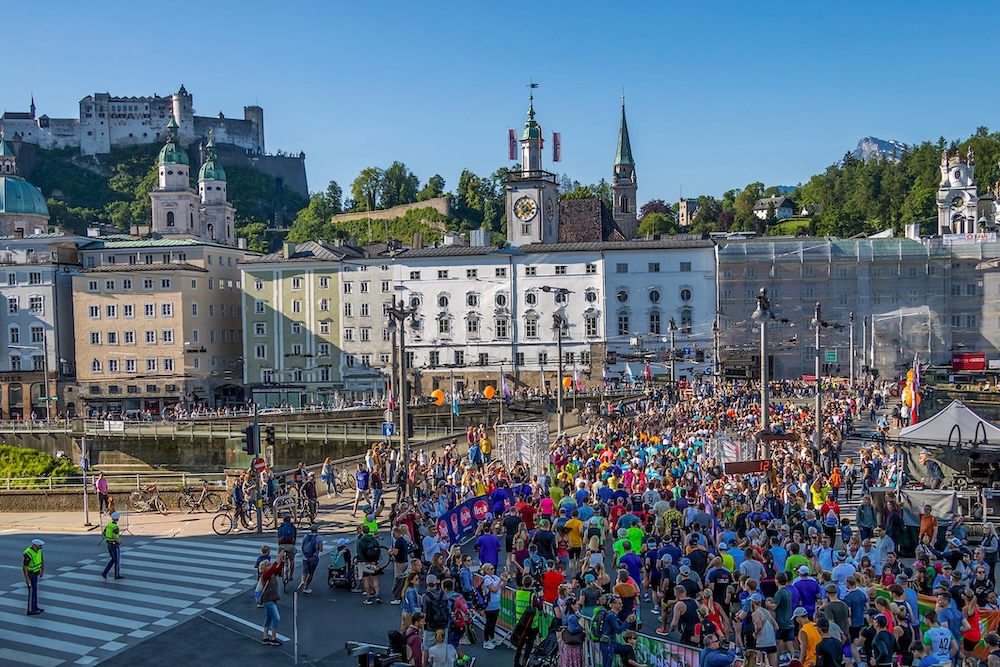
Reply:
x=32, y=105
x=624, y=154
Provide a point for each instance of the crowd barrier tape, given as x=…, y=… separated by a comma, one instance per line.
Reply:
x=989, y=621
x=651, y=651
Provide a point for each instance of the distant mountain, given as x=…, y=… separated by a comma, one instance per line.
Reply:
x=871, y=147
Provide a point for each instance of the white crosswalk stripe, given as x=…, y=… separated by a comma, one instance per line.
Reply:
x=87, y=619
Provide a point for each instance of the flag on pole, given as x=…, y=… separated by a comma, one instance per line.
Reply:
x=557, y=147
x=454, y=396
x=542, y=374
x=506, y=389
x=628, y=372
x=511, y=145
x=541, y=138
x=392, y=399
x=649, y=372
x=576, y=378
x=915, y=412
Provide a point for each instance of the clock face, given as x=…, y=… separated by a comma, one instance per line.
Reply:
x=957, y=202
x=550, y=209
x=525, y=208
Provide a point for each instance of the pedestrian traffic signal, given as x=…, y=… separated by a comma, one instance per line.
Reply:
x=409, y=425
x=269, y=436
x=250, y=441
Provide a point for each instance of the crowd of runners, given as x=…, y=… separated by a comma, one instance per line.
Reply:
x=636, y=528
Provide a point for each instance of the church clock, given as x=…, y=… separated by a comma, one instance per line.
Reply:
x=525, y=208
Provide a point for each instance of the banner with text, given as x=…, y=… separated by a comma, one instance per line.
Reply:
x=462, y=521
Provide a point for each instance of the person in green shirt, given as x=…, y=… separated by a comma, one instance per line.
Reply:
x=556, y=494
x=619, y=544
x=635, y=535
x=795, y=559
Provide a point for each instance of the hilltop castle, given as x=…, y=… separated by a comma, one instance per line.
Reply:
x=107, y=122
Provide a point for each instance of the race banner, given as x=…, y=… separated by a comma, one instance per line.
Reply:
x=461, y=522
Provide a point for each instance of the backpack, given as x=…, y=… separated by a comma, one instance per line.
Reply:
x=397, y=643
x=536, y=565
x=831, y=518
x=286, y=531
x=370, y=550
x=309, y=545
x=438, y=611
x=462, y=616
x=597, y=624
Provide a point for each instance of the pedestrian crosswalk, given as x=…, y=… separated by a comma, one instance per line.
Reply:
x=88, y=619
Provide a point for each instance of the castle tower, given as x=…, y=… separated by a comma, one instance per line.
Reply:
x=174, y=202
x=8, y=161
x=183, y=112
x=958, y=195
x=532, y=194
x=624, y=185
x=216, y=211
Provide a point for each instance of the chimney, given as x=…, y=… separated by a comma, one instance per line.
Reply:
x=241, y=243
x=418, y=240
x=913, y=231
x=288, y=249
x=479, y=238
x=93, y=232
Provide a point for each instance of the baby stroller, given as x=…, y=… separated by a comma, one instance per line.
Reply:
x=340, y=572
x=546, y=652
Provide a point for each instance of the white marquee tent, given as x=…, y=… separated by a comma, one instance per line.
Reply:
x=936, y=430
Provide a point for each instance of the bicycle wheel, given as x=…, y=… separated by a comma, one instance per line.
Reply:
x=185, y=503
x=161, y=506
x=267, y=516
x=350, y=482
x=211, y=502
x=383, y=558
x=222, y=524
x=286, y=576
x=138, y=501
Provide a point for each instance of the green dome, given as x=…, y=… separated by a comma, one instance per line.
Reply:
x=172, y=152
x=211, y=170
x=19, y=196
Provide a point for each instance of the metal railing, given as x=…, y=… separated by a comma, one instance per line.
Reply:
x=35, y=426
x=164, y=480
x=283, y=431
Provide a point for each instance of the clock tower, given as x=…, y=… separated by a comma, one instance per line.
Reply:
x=958, y=196
x=532, y=196
x=623, y=187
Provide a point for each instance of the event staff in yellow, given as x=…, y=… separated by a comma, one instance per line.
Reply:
x=33, y=567
x=112, y=535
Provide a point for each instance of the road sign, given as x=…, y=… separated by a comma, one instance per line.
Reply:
x=259, y=465
x=388, y=429
x=831, y=356
x=387, y=416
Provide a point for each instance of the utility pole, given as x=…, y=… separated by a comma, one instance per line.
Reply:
x=818, y=430
x=851, y=321
x=260, y=475
x=557, y=324
x=499, y=394
x=717, y=374
x=864, y=344
x=399, y=315
x=672, y=328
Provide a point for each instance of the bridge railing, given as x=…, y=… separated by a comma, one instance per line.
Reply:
x=123, y=482
x=283, y=431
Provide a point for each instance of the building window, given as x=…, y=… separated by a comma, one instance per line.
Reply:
x=685, y=294
x=14, y=336
x=530, y=270
x=501, y=327
x=484, y=359
x=323, y=349
x=348, y=335
x=442, y=274
x=109, y=286
x=94, y=311
x=165, y=283
x=471, y=273
x=324, y=305
x=622, y=296
x=654, y=296
x=459, y=358
x=365, y=310
x=686, y=318
x=12, y=307
x=622, y=324
x=168, y=336
x=194, y=309
x=112, y=337
x=260, y=352
x=91, y=285
x=472, y=327
x=111, y=311
x=147, y=283
x=152, y=363
x=36, y=304
x=258, y=285
x=95, y=337
x=444, y=325
x=168, y=364
x=414, y=275
x=654, y=267
x=324, y=282
x=530, y=298
x=561, y=270
x=434, y=358
x=348, y=310
x=501, y=272
x=501, y=300
x=386, y=286
x=531, y=326
x=95, y=365
x=129, y=337
x=970, y=321
x=258, y=307
x=167, y=310
x=750, y=272
x=366, y=334
x=127, y=284
x=150, y=338
x=590, y=296
x=324, y=327
x=113, y=366
x=472, y=300
x=519, y=359
x=654, y=323
x=591, y=269
x=386, y=337
x=970, y=290
x=621, y=268
x=590, y=325
x=543, y=358
x=562, y=296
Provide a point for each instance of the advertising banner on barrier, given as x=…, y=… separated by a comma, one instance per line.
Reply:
x=651, y=651
x=462, y=521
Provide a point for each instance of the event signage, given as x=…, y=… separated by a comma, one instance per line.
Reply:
x=461, y=522
x=968, y=361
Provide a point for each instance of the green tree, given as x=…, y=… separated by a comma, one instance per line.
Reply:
x=433, y=188
x=657, y=223
x=334, y=198
x=367, y=187
x=399, y=186
x=313, y=222
x=255, y=234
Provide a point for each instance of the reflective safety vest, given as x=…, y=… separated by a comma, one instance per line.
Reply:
x=111, y=532
x=35, y=562
x=522, y=602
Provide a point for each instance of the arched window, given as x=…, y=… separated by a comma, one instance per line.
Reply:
x=531, y=326
x=623, y=203
x=686, y=321
x=170, y=218
x=654, y=322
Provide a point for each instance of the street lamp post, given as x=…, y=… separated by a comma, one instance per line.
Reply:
x=851, y=321
x=558, y=324
x=672, y=328
x=717, y=370
x=761, y=315
x=399, y=314
x=818, y=429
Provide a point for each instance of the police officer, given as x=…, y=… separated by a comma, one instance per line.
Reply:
x=33, y=567
x=112, y=535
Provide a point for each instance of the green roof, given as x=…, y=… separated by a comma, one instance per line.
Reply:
x=532, y=130
x=5, y=150
x=19, y=196
x=624, y=152
x=153, y=243
x=172, y=152
x=211, y=170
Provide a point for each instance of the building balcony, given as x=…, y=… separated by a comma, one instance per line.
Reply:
x=538, y=175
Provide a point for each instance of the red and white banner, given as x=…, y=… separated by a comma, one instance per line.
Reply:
x=556, y=147
x=511, y=145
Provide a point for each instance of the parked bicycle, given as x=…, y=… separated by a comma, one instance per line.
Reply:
x=147, y=499
x=205, y=500
x=344, y=480
x=227, y=519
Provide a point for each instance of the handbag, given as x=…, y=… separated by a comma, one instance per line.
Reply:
x=573, y=638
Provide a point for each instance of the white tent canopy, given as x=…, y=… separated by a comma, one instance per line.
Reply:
x=937, y=429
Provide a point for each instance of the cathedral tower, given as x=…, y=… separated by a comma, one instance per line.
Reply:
x=175, y=204
x=624, y=186
x=958, y=195
x=216, y=209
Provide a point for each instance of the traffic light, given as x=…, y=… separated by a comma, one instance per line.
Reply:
x=250, y=441
x=409, y=424
x=269, y=435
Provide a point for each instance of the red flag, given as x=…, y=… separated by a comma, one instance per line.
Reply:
x=556, y=147
x=541, y=137
x=392, y=400
x=511, y=145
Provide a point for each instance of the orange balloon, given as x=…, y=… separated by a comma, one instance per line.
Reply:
x=567, y=382
x=489, y=393
x=438, y=397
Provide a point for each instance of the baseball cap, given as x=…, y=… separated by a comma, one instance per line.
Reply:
x=685, y=570
x=431, y=579
x=38, y=543
x=756, y=597
x=723, y=546
x=587, y=578
x=342, y=542
x=803, y=569
x=799, y=611
x=115, y=515
x=955, y=542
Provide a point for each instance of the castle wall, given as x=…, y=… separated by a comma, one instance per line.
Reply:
x=238, y=132
x=291, y=169
x=442, y=205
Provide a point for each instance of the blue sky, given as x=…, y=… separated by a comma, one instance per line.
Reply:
x=719, y=94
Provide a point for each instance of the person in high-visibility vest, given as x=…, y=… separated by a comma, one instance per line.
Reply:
x=112, y=535
x=33, y=567
x=526, y=604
